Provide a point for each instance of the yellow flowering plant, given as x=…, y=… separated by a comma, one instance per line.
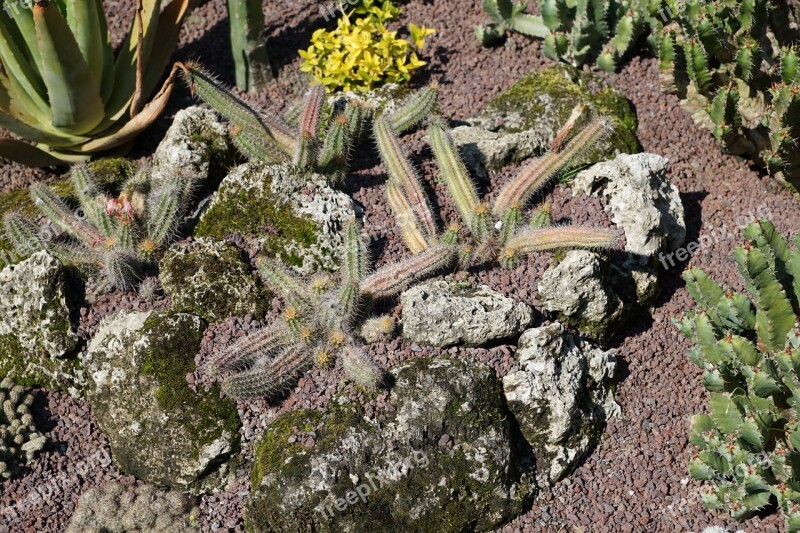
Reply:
x=361, y=53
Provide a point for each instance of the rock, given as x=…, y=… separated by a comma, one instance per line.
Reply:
x=561, y=395
x=210, y=279
x=159, y=429
x=522, y=121
x=445, y=313
x=362, y=475
x=578, y=290
x=196, y=146
x=37, y=342
x=641, y=200
x=292, y=214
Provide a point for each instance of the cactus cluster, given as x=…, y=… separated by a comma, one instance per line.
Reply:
x=495, y=231
x=140, y=508
x=508, y=16
x=19, y=440
x=61, y=87
x=734, y=64
x=318, y=144
x=120, y=232
x=321, y=325
x=749, y=348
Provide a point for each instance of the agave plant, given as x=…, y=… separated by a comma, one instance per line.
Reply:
x=121, y=234
x=61, y=88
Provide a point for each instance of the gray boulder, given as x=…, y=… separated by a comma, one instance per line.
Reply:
x=442, y=457
x=561, y=395
x=210, y=279
x=159, y=429
x=196, y=146
x=641, y=200
x=578, y=290
x=446, y=313
x=38, y=344
x=290, y=213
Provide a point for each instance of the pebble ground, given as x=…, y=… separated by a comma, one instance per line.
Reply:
x=636, y=479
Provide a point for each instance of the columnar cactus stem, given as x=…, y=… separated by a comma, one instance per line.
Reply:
x=401, y=171
x=162, y=221
x=410, y=227
x=393, y=279
x=281, y=281
x=537, y=173
x=242, y=354
x=335, y=149
x=250, y=58
x=455, y=174
x=415, y=109
x=23, y=234
x=62, y=216
x=87, y=193
x=269, y=377
x=528, y=241
x=306, y=154
x=360, y=368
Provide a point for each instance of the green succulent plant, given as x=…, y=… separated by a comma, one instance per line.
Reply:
x=734, y=65
x=748, y=345
x=121, y=233
x=62, y=90
x=509, y=16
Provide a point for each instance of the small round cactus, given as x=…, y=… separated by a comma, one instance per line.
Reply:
x=19, y=440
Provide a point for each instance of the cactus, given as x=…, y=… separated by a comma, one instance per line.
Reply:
x=19, y=439
x=250, y=59
x=321, y=323
x=319, y=145
x=496, y=231
x=117, y=508
x=63, y=90
x=734, y=65
x=748, y=346
x=508, y=16
x=120, y=234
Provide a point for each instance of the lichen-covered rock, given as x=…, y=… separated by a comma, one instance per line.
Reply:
x=210, y=279
x=578, y=290
x=19, y=438
x=292, y=214
x=140, y=508
x=37, y=341
x=523, y=120
x=640, y=198
x=561, y=395
x=196, y=146
x=445, y=313
x=442, y=461
x=159, y=429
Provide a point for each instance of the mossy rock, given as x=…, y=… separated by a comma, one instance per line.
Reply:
x=543, y=100
x=210, y=279
x=291, y=214
x=449, y=434
x=159, y=429
x=38, y=344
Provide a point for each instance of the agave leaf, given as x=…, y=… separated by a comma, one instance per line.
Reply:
x=169, y=27
x=74, y=93
x=26, y=154
x=17, y=65
x=83, y=17
x=23, y=18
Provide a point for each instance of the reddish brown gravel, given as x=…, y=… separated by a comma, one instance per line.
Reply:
x=636, y=480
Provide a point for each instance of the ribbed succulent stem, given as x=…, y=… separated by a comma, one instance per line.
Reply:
x=243, y=353
x=555, y=238
x=410, y=226
x=267, y=378
x=336, y=148
x=87, y=193
x=542, y=217
x=23, y=234
x=360, y=368
x=250, y=57
x=312, y=111
x=415, y=108
x=401, y=171
x=162, y=221
x=357, y=258
x=62, y=216
x=539, y=172
x=393, y=279
x=120, y=270
x=452, y=168
x=285, y=283
x=510, y=222
x=264, y=149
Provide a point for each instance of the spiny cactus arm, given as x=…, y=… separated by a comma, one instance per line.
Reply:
x=242, y=354
x=250, y=58
x=415, y=108
x=542, y=217
x=378, y=328
x=453, y=170
x=510, y=222
x=62, y=216
x=87, y=192
x=356, y=256
x=164, y=210
x=360, y=368
x=306, y=153
x=256, y=124
x=121, y=269
x=410, y=226
x=775, y=317
x=528, y=241
x=705, y=291
x=793, y=266
x=511, y=15
x=359, y=116
x=393, y=279
x=537, y=173
x=285, y=283
x=401, y=171
x=762, y=234
x=264, y=148
x=269, y=377
x=697, y=66
x=336, y=147
x=23, y=234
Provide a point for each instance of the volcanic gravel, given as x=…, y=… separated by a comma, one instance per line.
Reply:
x=636, y=479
